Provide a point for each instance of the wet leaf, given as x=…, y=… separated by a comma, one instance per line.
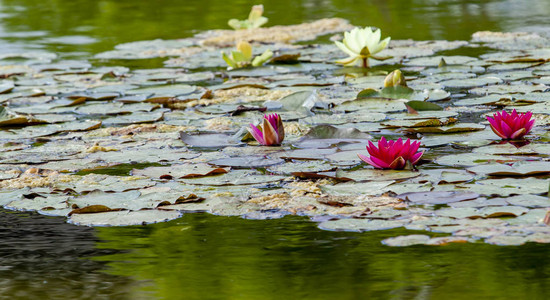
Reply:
x=180, y=171
x=246, y=162
x=124, y=218
x=437, y=197
x=213, y=140
x=423, y=105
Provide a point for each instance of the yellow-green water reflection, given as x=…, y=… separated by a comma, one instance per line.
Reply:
x=208, y=257
x=100, y=25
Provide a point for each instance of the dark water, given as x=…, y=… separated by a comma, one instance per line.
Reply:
x=207, y=257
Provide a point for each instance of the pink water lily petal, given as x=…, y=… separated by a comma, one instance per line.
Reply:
x=416, y=157
x=369, y=161
x=511, y=125
x=270, y=132
x=379, y=162
x=371, y=148
x=505, y=129
x=270, y=135
x=392, y=154
x=529, y=126
x=272, y=120
x=517, y=134
x=398, y=164
x=256, y=134
x=497, y=132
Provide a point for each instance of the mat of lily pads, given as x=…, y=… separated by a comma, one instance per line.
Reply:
x=105, y=145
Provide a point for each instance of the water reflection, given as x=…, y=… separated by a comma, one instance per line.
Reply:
x=45, y=258
x=207, y=257
x=94, y=26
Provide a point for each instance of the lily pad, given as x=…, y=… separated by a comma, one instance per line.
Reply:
x=523, y=168
x=437, y=197
x=377, y=175
x=180, y=171
x=214, y=140
x=124, y=218
x=246, y=162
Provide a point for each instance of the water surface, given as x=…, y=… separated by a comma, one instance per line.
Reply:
x=207, y=257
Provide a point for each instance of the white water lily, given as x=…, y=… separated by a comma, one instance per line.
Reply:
x=361, y=44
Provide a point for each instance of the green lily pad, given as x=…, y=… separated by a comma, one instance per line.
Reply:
x=522, y=168
x=376, y=175
x=208, y=140
x=308, y=166
x=407, y=240
x=437, y=197
x=235, y=177
x=532, y=201
x=423, y=106
x=357, y=188
x=246, y=162
x=461, y=127
x=471, y=82
x=180, y=171
x=124, y=218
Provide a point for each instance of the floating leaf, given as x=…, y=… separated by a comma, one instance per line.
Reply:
x=524, y=168
x=246, y=162
x=437, y=197
x=423, y=105
x=124, y=218
x=213, y=140
x=180, y=171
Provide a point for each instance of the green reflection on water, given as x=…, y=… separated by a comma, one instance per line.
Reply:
x=111, y=22
x=202, y=256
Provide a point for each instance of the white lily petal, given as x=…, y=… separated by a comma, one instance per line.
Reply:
x=351, y=42
x=383, y=44
x=362, y=38
x=348, y=61
x=344, y=48
x=372, y=42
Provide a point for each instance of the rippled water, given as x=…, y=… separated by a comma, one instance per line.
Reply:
x=207, y=257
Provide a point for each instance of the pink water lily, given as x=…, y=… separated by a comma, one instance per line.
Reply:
x=511, y=126
x=392, y=154
x=271, y=132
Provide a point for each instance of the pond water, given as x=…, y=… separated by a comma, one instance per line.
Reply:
x=201, y=256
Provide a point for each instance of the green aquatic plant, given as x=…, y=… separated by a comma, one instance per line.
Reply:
x=395, y=78
x=242, y=57
x=361, y=44
x=255, y=19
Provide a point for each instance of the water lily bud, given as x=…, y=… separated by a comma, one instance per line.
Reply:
x=395, y=78
x=246, y=49
x=256, y=12
x=271, y=132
